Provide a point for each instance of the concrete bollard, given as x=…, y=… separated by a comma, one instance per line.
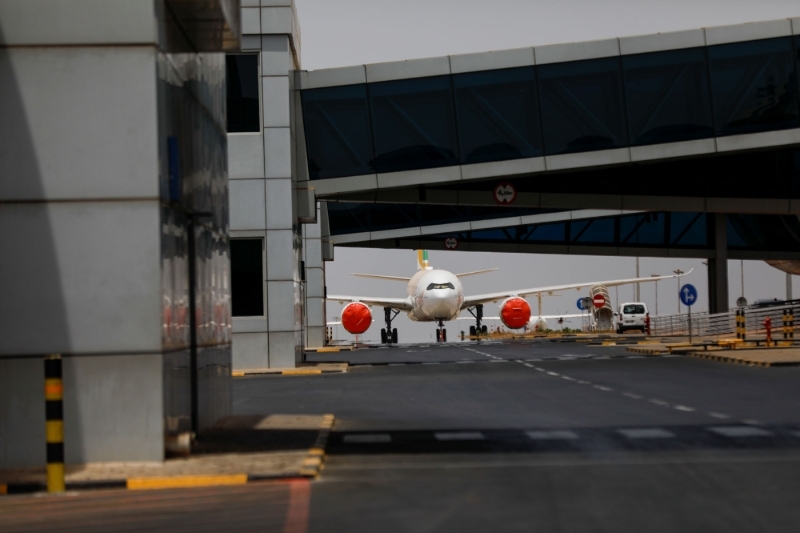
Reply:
x=54, y=410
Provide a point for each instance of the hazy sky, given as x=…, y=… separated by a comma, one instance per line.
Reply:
x=350, y=32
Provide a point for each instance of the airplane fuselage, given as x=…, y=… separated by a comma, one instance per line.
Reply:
x=436, y=295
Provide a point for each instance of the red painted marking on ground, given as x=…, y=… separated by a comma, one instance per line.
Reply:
x=299, y=506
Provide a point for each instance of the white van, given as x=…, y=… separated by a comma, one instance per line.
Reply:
x=631, y=315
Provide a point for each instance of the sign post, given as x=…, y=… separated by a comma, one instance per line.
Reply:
x=688, y=296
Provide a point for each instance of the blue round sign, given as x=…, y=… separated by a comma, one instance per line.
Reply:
x=688, y=295
x=580, y=304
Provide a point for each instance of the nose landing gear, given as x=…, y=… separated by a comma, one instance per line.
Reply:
x=389, y=335
x=441, y=333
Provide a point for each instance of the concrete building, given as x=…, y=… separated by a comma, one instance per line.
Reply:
x=278, y=273
x=114, y=222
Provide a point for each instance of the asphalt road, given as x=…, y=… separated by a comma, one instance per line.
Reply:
x=567, y=437
x=513, y=436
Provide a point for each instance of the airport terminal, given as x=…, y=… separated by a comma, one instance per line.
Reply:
x=174, y=183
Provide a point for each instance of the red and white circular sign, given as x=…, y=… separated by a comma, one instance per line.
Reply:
x=599, y=300
x=505, y=193
x=451, y=243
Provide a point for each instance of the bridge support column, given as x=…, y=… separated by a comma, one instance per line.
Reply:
x=718, y=267
x=315, y=283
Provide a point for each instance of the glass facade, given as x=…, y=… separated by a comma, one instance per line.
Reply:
x=579, y=106
x=242, y=93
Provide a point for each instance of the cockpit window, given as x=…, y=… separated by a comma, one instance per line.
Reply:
x=440, y=286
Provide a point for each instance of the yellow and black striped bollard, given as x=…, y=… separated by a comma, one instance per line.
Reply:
x=785, y=324
x=54, y=409
x=744, y=326
x=738, y=323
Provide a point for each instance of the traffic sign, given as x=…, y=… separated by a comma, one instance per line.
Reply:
x=741, y=301
x=599, y=300
x=580, y=304
x=505, y=193
x=451, y=243
x=688, y=295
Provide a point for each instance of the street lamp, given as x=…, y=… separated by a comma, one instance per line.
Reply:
x=656, y=276
x=678, y=272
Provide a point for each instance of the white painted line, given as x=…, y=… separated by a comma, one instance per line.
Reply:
x=718, y=415
x=659, y=402
x=368, y=438
x=741, y=431
x=646, y=433
x=584, y=382
x=568, y=378
x=459, y=435
x=752, y=422
x=526, y=364
x=632, y=395
x=553, y=374
x=552, y=435
x=539, y=369
x=600, y=387
x=684, y=408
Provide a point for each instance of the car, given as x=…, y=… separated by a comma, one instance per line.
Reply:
x=631, y=315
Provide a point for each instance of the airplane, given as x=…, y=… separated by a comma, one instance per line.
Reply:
x=435, y=295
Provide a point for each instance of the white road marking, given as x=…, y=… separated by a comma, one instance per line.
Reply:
x=553, y=374
x=632, y=395
x=584, y=382
x=552, y=435
x=752, y=422
x=646, y=433
x=718, y=415
x=741, y=431
x=683, y=408
x=539, y=369
x=568, y=378
x=659, y=402
x=600, y=387
x=459, y=435
x=368, y=438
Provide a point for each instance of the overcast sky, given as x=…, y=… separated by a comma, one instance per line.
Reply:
x=350, y=32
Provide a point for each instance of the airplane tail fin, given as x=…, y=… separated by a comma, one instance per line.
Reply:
x=422, y=259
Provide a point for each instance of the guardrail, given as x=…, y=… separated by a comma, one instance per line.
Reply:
x=705, y=324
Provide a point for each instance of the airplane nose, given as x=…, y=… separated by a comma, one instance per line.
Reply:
x=440, y=304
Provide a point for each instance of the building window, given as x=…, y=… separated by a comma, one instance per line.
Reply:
x=242, y=93
x=247, y=277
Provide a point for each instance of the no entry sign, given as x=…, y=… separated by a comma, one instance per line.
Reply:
x=451, y=243
x=599, y=300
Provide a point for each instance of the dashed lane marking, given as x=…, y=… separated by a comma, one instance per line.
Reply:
x=632, y=395
x=552, y=435
x=646, y=433
x=656, y=401
x=684, y=408
x=459, y=435
x=602, y=388
x=741, y=431
x=718, y=415
x=368, y=438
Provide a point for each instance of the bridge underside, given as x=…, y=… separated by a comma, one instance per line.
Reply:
x=582, y=232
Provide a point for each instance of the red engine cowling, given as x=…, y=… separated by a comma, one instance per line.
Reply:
x=515, y=313
x=356, y=318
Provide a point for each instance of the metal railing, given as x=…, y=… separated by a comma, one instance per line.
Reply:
x=705, y=324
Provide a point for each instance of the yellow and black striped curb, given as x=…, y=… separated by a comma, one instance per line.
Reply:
x=332, y=349
x=648, y=351
x=302, y=371
x=741, y=361
x=311, y=467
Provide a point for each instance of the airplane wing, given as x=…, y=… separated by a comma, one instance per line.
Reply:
x=377, y=276
x=403, y=304
x=470, y=301
x=463, y=274
x=546, y=317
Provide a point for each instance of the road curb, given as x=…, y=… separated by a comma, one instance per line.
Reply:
x=311, y=467
x=741, y=361
x=302, y=371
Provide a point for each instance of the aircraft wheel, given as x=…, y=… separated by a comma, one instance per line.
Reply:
x=438, y=335
x=444, y=335
x=484, y=330
x=383, y=336
x=472, y=331
x=394, y=335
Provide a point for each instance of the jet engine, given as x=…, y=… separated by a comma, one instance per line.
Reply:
x=356, y=318
x=515, y=312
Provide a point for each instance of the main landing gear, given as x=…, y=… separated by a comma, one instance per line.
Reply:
x=477, y=330
x=441, y=333
x=389, y=335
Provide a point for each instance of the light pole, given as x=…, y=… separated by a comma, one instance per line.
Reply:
x=655, y=276
x=678, y=272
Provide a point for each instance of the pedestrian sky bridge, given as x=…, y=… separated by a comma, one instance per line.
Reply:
x=694, y=121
